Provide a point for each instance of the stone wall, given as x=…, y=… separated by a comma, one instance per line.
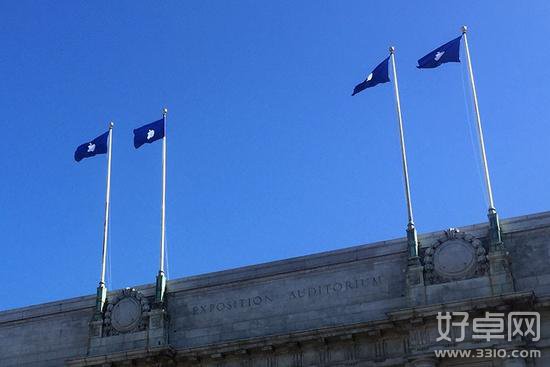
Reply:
x=361, y=306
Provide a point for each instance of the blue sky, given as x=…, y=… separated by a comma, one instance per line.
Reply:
x=269, y=156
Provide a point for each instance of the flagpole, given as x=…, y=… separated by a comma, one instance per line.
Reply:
x=494, y=225
x=412, y=238
x=102, y=289
x=161, y=278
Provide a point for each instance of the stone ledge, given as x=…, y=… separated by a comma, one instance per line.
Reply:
x=280, y=267
x=468, y=304
x=154, y=353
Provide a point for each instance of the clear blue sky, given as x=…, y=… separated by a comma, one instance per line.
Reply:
x=269, y=155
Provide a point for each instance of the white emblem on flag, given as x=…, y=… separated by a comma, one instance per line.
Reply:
x=91, y=148
x=439, y=55
x=369, y=77
x=150, y=134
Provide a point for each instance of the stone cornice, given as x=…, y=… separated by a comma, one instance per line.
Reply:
x=396, y=247
x=516, y=298
x=287, y=343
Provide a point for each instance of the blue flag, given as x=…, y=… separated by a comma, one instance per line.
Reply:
x=149, y=133
x=91, y=148
x=449, y=52
x=378, y=75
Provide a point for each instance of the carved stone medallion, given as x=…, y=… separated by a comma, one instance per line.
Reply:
x=456, y=256
x=126, y=313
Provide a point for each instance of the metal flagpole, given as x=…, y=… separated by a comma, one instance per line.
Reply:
x=494, y=224
x=102, y=289
x=412, y=239
x=161, y=278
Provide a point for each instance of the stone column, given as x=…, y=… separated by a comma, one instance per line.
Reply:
x=158, y=328
x=500, y=273
x=416, y=289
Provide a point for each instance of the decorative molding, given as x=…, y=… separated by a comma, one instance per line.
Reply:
x=455, y=256
x=126, y=313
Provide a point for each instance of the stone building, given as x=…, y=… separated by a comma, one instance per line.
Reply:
x=360, y=306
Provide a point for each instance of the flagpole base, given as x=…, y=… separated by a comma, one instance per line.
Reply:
x=495, y=236
x=101, y=298
x=412, y=244
x=415, y=271
x=160, y=288
x=500, y=270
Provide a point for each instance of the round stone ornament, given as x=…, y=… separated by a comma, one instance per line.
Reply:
x=454, y=259
x=455, y=256
x=126, y=314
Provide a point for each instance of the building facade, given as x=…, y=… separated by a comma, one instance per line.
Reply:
x=359, y=306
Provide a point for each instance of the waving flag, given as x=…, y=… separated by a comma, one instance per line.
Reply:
x=91, y=148
x=149, y=133
x=449, y=52
x=378, y=75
